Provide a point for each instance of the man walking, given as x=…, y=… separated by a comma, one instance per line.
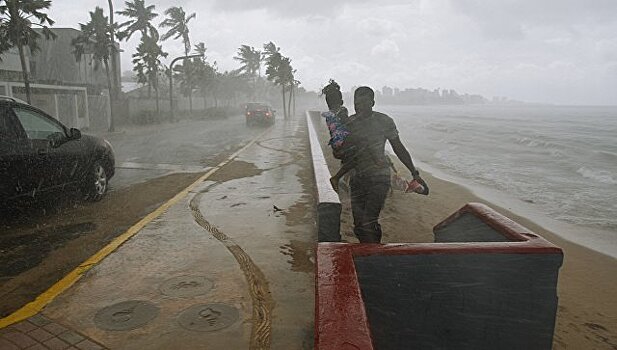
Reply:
x=370, y=181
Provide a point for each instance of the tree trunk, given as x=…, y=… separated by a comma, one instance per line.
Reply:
x=111, y=119
x=158, y=106
x=24, y=69
x=187, y=72
x=254, y=92
x=113, y=92
x=284, y=104
x=294, y=90
x=291, y=90
x=156, y=92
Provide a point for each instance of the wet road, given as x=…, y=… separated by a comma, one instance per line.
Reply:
x=42, y=242
x=144, y=153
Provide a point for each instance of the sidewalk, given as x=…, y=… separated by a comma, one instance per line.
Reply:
x=228, y=267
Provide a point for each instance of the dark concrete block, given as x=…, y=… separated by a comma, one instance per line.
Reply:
x=460, y=301
x=329, y=222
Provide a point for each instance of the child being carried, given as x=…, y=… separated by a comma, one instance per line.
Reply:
x=337, y=119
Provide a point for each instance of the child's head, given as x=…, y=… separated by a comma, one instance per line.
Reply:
x=334, y=97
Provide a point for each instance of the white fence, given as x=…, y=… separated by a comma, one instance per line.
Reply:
x=65, y=103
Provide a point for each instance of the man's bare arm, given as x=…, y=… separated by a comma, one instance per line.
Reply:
x=401, y=152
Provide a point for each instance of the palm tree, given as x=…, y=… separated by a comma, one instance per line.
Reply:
x=273, y=64
x=187, y=83
x=291, y=80
x=287, y=78
x=16, y=29
x=4, y=44
x=95, y=39
x=250, y=60
x=279, y=71
x=147, y=62
x=147, y=58
x=203, y=71
x=177, y=22
x=294, y=86
x=140, y=20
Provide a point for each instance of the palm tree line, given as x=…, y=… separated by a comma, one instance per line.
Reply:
x=19, y=18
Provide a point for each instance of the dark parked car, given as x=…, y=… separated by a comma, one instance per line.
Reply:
x=38, y=154
x=259, y=113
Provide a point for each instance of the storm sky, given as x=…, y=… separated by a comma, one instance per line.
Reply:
x=553, y=51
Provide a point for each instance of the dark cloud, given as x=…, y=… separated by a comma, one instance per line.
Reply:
x=291, y=8
x=281, y=7
x=508, y=18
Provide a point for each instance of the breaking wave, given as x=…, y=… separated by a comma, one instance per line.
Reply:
x=602, y=176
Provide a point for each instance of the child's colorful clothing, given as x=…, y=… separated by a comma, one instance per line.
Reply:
x=336, y=125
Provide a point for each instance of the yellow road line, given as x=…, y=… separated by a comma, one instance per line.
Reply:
x=34, y=307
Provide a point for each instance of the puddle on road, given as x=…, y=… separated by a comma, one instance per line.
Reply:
x=300, y=212
x=20, y=253
x=236, y=170
x=302, y=255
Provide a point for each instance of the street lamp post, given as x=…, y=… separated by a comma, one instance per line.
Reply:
x=171, y=82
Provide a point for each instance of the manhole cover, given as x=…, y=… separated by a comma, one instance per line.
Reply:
x=208, y=317
x=126, y=315
x=186, y=286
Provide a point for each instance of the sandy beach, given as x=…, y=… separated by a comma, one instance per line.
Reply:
x=587, y=316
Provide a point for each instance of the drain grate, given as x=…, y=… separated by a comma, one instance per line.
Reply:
x=208, y=317
x=126, y=315
x=186, y=286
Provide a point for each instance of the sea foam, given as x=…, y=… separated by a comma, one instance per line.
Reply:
x=601, y=176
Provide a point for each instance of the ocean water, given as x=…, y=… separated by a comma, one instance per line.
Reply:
x=561, y=161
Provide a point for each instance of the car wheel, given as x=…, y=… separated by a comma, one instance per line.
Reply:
x=96, y=182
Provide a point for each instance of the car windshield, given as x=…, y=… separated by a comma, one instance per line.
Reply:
x=395, y=174
x=257, y=107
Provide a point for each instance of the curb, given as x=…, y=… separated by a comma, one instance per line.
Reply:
x=328, y=202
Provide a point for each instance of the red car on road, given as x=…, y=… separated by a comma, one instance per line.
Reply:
x=259, y=113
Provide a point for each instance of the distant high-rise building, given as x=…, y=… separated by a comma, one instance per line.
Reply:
x=387, y=91
x=396, y=91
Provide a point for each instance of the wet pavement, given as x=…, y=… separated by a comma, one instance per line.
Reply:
x=43, y=240
x=230, y=266
x=191, y=145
